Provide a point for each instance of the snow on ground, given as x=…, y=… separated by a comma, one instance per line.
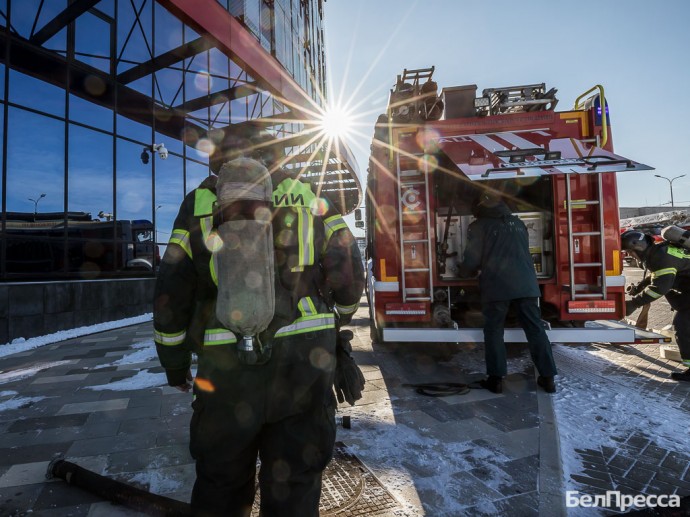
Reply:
x=22, y=345
x=8, y=400
x=594, y=406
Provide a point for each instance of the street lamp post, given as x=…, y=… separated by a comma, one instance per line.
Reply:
x=670, y=184
x=36, y=204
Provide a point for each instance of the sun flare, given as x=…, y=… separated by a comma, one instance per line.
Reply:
x=336, y=122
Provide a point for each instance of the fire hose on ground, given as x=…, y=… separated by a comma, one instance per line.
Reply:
x=117, y=491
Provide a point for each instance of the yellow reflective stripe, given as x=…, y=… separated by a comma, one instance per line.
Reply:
x=665, y=271
x=346, y=309
x=306, y=306
x=181, y=238
x=212, y=267
x=332, y=225
x=203, y=202
x=206, y=224
x=307, y=324
x=169, y=339
x=219, y=336
x=678, y=252
x=652, y=294
x=305, y=233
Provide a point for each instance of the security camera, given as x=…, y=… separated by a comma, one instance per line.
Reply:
x=161, y=150
x=145, y=156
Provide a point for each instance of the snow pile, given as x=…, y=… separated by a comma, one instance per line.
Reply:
x=22, y=345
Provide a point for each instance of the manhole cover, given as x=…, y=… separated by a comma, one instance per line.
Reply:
x=349, y=489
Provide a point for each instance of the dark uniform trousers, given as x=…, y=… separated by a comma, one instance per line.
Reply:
x=529, y=316
x=285, y=409
x=679, y=300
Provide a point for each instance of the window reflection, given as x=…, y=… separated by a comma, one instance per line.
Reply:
x=39, y=95
x=35, y=162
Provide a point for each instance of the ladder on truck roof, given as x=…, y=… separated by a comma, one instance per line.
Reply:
x=585, y=291
x=415, y=227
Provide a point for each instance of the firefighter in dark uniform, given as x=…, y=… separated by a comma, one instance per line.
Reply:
x=670, y=277
x=498, y=247
x=282, y=408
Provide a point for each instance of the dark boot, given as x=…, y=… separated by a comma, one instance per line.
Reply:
x=547, y=383
x=681, y=376
x=493, y=383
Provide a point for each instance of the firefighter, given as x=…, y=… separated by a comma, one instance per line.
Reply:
x=498, y=248
x=279, y=406
x=670, y=277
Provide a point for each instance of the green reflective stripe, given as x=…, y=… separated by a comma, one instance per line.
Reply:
x=652, y=294
x=665, y=271
x=218, y=336
x=332, y=225
x=203, y=202
x=305, y=237
x=306, y=306
x=293, y=193
x=346, y=309
x=675, y=251
x=686, y=362
x=307, y=324
x=181, y=238
x=206, y=224
x=171, y=339
x=212, y=267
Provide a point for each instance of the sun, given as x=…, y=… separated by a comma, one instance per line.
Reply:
x=336, y=122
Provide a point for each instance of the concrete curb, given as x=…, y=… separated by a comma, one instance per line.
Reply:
x=551, y=482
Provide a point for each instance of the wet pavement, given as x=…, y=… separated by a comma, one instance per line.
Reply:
x=97, y=400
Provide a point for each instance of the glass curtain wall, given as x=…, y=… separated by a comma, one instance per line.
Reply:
x=85, y=194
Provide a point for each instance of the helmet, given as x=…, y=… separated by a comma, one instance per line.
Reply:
x=635, y=241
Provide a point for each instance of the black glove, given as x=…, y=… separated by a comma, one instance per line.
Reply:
x=630, y=307
x=349, y=380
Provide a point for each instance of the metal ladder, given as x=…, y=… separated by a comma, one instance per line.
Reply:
x=414, y=294
x=576, y=291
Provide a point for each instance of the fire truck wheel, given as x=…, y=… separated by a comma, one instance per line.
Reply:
x=375, y=333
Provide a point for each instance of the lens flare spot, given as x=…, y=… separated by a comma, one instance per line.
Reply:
x=428, y=163
x=205, y=146
x=319, y=206
x=94, y=85
x=236, y=315
x=204, y=385
x=427, y=139
x=213, y=242
x=203, y=81
x=321, y=359
x=253, y=280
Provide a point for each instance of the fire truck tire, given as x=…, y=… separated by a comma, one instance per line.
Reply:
x=375, y=333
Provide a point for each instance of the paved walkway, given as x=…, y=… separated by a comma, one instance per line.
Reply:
x=98, y=401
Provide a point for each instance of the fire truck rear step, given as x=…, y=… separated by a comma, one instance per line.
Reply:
x=599, y=331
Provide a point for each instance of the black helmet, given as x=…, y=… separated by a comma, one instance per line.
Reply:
x=635, y=241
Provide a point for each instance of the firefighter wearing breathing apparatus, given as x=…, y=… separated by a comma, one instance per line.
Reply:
x=254, y=266
x=669, y=265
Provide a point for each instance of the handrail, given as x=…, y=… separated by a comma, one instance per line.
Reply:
x=602, y=105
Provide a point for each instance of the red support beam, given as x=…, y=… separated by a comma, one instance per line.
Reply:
x=210, y=19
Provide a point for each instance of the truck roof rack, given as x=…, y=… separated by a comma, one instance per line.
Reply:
x=516, y=99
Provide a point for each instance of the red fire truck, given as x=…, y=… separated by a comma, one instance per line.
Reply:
x=432, y=152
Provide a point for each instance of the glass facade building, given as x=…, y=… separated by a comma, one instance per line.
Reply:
x=90, y=89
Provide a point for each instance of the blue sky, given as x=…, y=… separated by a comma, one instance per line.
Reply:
x=637, y=50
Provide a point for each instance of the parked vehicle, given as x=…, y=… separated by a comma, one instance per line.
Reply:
x=432, y=150
x=74, y=243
